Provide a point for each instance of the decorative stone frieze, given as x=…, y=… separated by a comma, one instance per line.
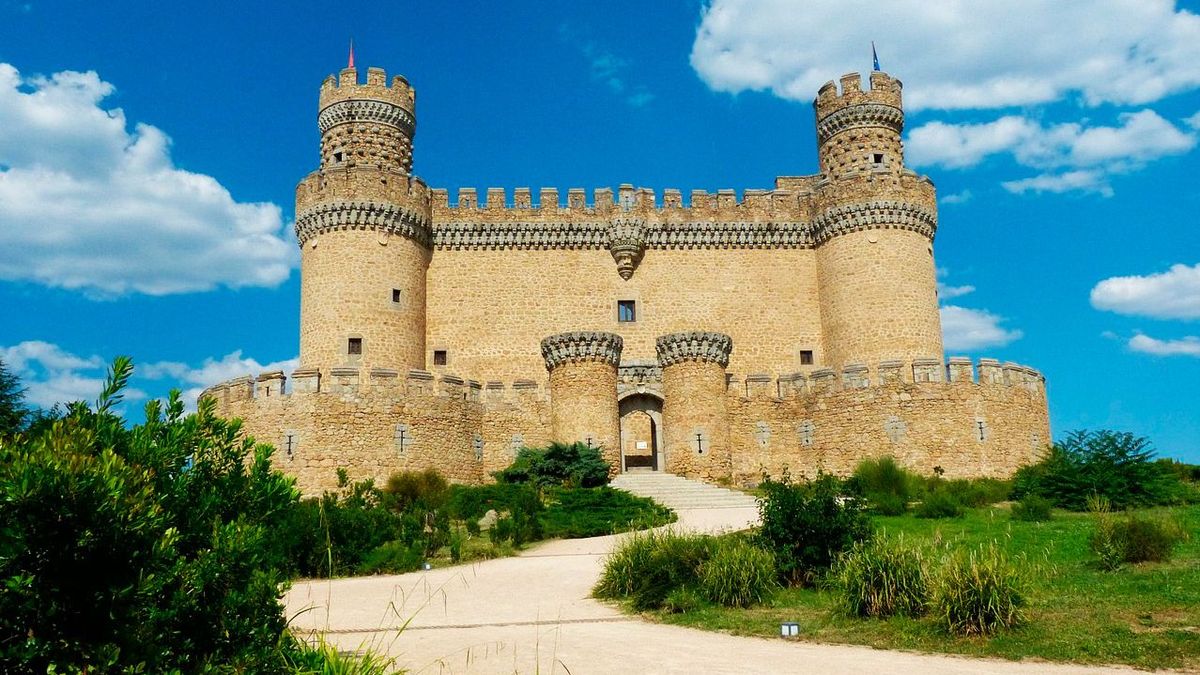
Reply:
x=860, y=116
x=693, y=346
x=363, y=215
x=885, y=214
x=367, y=111
x=581, y=346
x=626, y=243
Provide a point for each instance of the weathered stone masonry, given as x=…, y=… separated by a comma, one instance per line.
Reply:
x=792, y=328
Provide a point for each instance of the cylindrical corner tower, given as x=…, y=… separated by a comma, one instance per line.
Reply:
x=583, y=390
x=695, y=420
x=363, y=224
x=874, y=225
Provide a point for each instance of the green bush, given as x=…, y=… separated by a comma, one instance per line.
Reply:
x=807, y=525
x=738, y=574
x=323, y=658
x=393, y=557
x=647, y=566
x=978, y=492
x=139, y=549
x=592, y=512
x=409, y=488
x=979, y=592
x=1032, y=508
x=682, y=600
x=1116, y=466
x=518, y=509
x=939, y=503
x=559, y=464
x=882, y=577
x=1133, y=539
x=885, y=485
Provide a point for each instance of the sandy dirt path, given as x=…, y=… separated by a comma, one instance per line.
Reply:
x=533, y=614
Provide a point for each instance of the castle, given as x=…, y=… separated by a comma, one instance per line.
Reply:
x=795, y=329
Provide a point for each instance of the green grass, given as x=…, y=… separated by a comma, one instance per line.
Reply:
x=1145, y=615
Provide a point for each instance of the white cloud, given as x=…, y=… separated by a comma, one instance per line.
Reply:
x=1187, y=346
x=1174, y=294
x=988, y=54
x=87, y=204
x=53, y=375
x=212, y=371
x=1070, y=181
x=946, y=292
x=966, y=329
x=957, y=197
x=608, y=68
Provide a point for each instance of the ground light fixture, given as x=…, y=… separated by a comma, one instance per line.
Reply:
x=789, y=629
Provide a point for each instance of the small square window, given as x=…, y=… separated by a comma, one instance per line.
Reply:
x=806, y=357
x=626, y=311
x=439, y=357
x=877, y=158
x=337, y=157
x=354, y=346
x=395, y=295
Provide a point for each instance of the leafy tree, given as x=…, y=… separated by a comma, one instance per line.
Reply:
x=1115, y=465
x=13, y=411
x=142, y=549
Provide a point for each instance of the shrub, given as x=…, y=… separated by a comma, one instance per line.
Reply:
x=939, y=503
x=574, y=513
x=321, y=657
x=738, y=574
x=408, y=488
x=518, y=507
x=885, y=485
x=559, y=464
x=683, y=599
x=1032, y=508
x=647, y=566
x=979, y=592
x=393, y=557
x=807, y=525
x=1132, y=539
x=882, y=577
x=1116, y=466
x=139, y=549
x=977, y=492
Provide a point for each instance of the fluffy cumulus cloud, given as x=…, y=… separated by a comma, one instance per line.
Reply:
x=1188, y=346
x=53, y=375
x=955, y=54
x=1077, y=157
x=86, y=203
x=1174, y=294
x=194, y=379
x=965, y=329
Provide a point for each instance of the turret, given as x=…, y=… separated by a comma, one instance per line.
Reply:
x=364, y=228
x=874, y=221
x=859, y=130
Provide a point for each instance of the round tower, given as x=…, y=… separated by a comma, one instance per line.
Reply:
x=874, y=223
x=363, y=224
x=583, y=390
x=695, y=420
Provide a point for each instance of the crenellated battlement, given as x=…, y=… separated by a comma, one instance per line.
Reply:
x=955, y=371
x=369, y=383
x=884, y=90
x=345, y=86
x=363, y=198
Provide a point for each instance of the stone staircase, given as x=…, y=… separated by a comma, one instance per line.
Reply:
x=677, y=492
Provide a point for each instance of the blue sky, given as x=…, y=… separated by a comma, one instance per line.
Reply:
x=148, y=155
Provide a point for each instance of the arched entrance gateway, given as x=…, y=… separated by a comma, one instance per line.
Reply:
x=641, y=433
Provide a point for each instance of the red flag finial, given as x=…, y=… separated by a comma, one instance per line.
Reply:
x=351, y=63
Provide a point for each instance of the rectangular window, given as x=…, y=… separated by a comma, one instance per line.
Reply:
x=354, y=346
x=878, y=157
x=806, y=357
x=395, y=295
x=337, y=157
x=626, y=311
x=439, y=357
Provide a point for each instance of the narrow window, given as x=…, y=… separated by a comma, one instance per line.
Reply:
x=354, y=346
x=337, y=158
x=878, y=158
x=626, y=311
x=395, y=295
x=439, y=357
x=806, y=357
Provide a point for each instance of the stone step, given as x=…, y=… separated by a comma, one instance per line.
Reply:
x=677, y=492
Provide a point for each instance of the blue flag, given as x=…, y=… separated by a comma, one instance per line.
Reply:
x=874, y=56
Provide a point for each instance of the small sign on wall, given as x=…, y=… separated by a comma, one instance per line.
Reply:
x=643, y=445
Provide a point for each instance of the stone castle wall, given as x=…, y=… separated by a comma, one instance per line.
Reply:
x=970, y=421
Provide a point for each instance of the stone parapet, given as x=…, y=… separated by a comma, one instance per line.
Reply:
x=345, y=87
x=581, y=346
x=693, y=346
